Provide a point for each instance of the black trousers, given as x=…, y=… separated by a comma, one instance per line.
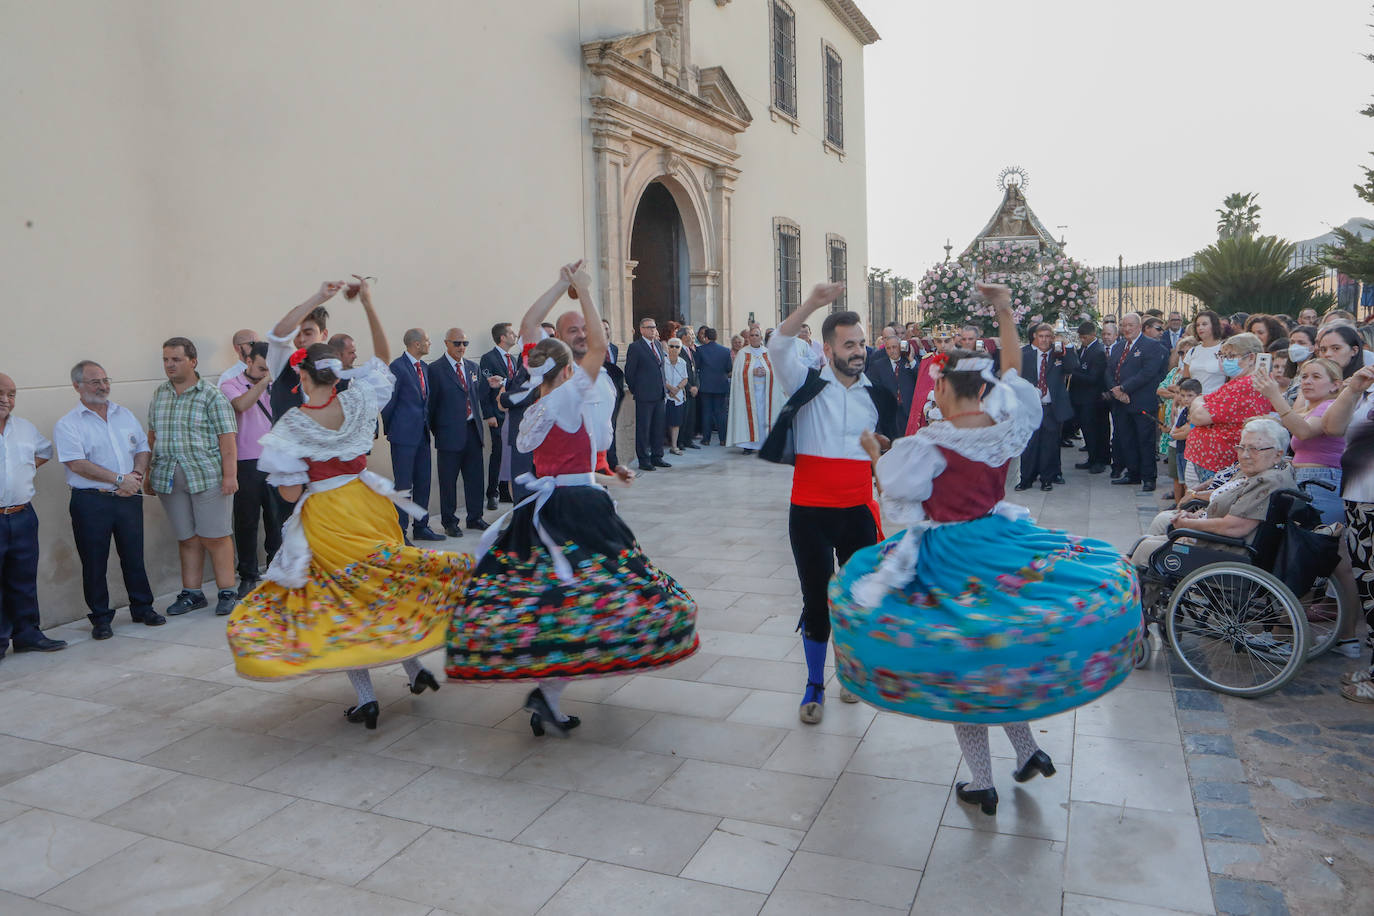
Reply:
x=688, y=430
x=1139, y=441
x=714, y=408
x=255, y=500
x=1041, y=457
x=1095, y=420
x=1116, y=410
x=823, y=538
x=612, y=458
x=650, y=414
x=410, y=465
x=98, y=516
x=467, y=462
x=19, y=579
x=494, y=459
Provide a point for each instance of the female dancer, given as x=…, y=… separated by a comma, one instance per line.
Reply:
x=564, y=590
x=974, y=615
x=343, y=593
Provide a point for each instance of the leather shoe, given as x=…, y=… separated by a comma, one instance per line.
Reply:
x=149, y=618
x=102, y=631
x=366, y=714
x=1024, y=485
x=453, y=531
x=478, y=524
x=246, y=585
x=424, y=680
x=647, y=466
x=660, y=463
x=1083, y=465
x=1125, y=480
x=1096, y=468
x=1058, y=478
x=1039, y=762
x=692, y=445
x=1046, y=487
x=984, y=798
x=426, y=534
x=539, y=708
x=1147, y=487
x=491, y=503
x=42, y=644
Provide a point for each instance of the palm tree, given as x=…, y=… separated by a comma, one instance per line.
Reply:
x=1251, y=274
x=1238, y=216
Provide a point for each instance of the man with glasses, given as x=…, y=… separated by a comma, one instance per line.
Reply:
x=106, y=453
x=405, y=420
x=644, y=377
x=456, y=394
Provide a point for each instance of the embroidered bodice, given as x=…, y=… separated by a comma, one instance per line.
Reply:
x=968, y=489
x=554, y=429
x=563, y=452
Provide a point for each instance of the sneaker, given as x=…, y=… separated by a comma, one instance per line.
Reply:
x=228, y=598
x=1266, y=644
x=187, y=601
x=1363, y=692
x=1362, y=676
x=1350, y=648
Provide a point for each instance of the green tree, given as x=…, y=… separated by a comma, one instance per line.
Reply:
x=1251, y=274
x=1238, y=216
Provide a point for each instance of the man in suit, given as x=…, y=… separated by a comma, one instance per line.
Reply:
x=713, y=372
x=456, y=418
x=1043, y=365
x=1173, y=331
x=617, y=377
x=644, y=378
x=891, y=368
x=1088, y=395
x=498, y=366
x=1111, y=345
x=405, y=419
x=1134, y=372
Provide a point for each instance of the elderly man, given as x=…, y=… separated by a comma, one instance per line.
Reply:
x=106, y=454
x=756, y=398
x=817, y=355
x=1087, y=368
x=242, y=341
x=892, y=368
x=1153, y=328
x=193, y=437
x=247, y=394
x=1135, y=367
x=23, y=450
x=644, y=359
x=405, y=419
x=1173, y=331
x=457, y=419
x=1044, y=368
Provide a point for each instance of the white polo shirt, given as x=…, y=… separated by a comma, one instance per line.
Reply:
x=111, y=443
x=21, y=444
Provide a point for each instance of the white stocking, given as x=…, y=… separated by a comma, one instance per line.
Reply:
x=1023, y=741
x=552, y=690
x=973, y=741
x=362, y=683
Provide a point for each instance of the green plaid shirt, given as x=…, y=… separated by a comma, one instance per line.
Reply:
x=187, y=427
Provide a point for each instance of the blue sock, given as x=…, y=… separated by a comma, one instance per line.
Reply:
x=815, y=670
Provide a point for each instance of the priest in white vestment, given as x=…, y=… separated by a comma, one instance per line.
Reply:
x=756, y=398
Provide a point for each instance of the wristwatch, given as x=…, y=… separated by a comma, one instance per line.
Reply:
x=119, y=480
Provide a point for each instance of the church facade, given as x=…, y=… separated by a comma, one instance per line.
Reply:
x=192, y=169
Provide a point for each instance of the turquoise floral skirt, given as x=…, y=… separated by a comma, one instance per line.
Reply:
x=1002, y=621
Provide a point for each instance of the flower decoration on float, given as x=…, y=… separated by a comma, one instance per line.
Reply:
x=1068, y=290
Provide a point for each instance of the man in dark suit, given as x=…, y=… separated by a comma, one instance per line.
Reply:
x=617, y=377
x=891, y=368
x=456, y=392
x=405, y=419
x=1088, y=394
x=644, y=378
x=713, y=373
x=1134, y=372
x=1043, y=365
x=497, y=365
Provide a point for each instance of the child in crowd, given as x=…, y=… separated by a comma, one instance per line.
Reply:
x=1188, y=389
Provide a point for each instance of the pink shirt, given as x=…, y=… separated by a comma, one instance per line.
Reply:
x=1324, y=451
x=255, y=422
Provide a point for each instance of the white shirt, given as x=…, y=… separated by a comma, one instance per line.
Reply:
x=1042, y=357
x=597, y=404
x=676, y=375
x=462, y=380
x=21, y=445
x=830, y=425
x=279, y=350
x=233, y=371
x=1204, y=364
x=111, y=443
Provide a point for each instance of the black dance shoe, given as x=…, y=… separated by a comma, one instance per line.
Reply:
x=537, y=724
x=366, y=714
x=984, y=798
x=539, y=708
x=422, y=680
x=1039, y=762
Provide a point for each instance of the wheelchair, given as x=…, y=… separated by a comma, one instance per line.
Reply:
x=1243, y=616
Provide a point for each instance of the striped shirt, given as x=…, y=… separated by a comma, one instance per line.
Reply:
x=186, y=429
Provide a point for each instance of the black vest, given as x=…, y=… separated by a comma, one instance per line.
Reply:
x=780, y=446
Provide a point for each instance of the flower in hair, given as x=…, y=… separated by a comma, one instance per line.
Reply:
x=298, y=357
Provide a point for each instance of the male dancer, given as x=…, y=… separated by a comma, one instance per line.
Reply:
x=833, y=512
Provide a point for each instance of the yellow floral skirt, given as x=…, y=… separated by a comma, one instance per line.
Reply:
x=369, y=599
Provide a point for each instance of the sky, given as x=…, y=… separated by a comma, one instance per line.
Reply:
x=1133, y=120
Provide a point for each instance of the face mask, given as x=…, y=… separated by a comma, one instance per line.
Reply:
x=1231, y=366
x=1297, y=352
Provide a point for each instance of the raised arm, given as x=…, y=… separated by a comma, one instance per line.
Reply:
x=821, y=296
x=529, y=325
x=597, y=345
x=1338, y=415
x=374, y=324
x=292, y=319
x=1008, y=341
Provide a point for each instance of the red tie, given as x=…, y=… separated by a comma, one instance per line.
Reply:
x=1125, y=349
x=420, y=371
x=462, y=380
x=510, y=367
x=1044, y=364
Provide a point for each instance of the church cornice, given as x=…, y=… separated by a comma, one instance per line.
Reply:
x=847, y=11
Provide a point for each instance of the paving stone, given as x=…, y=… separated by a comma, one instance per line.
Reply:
x=1299, y=728
x=1193, y=721
x=1221, y=856
x=1220, y=745
x=1294, y=790
x=1207, y=767
x=1248, y=898
x=1204, y=700
x=1226, y=793
x=1270, y=738
x=1234, y=824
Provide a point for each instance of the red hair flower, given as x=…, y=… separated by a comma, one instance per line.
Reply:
x=298, y=357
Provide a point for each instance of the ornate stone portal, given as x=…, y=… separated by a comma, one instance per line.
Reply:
x=656, y=117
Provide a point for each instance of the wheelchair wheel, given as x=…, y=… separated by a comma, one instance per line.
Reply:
x=1237, y=628
x=1325, y=614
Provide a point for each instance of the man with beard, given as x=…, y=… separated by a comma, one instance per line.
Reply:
x=833, y=512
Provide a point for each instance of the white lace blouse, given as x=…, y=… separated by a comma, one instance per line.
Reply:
x=295, y=438
x=563, y=406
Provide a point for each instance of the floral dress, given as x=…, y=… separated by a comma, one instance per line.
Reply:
x=562, y=589
x=974, y=614
x=1214, y=446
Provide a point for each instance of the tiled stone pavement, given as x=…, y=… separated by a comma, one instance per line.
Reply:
x=140, y=775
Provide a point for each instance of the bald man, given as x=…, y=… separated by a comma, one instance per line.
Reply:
x=456, y=417
x=243, y=342
x=405, y=419
x=23, y=450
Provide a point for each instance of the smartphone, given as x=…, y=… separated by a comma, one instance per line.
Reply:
x=906, y=345
x=1264, y=363
x=1059, y=346
x=979, y=346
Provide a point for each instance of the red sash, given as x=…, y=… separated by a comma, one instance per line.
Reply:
x=835, y=483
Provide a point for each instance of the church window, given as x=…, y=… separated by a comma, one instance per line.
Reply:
x=834, y=98
x=784, y=43
x=787, y=237
x=839, y=268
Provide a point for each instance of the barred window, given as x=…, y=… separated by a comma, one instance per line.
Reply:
x=784, y=58
x=787, y=236
x=834, y=98
x=839, y=269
